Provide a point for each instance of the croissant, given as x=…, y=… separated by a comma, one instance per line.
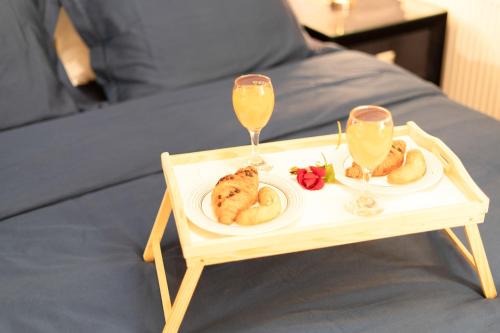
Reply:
x=394, y=160
x=413, y=169
x=234, y=193
x=269, y=207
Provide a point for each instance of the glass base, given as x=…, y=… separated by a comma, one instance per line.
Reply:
x=259, y=163
x=364, y=205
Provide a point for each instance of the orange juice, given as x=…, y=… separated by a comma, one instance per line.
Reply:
x=253, y=104
x=369, y=137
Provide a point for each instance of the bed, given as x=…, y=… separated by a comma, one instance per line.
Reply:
x=79, y=195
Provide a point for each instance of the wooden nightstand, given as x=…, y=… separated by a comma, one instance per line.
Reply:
x=408, y=31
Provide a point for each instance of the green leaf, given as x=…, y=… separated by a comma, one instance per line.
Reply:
x=330, y=174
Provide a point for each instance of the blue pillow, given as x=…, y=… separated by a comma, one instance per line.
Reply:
x=140, y=47
x=29, y=88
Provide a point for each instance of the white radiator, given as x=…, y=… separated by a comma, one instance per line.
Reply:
x=472, y=54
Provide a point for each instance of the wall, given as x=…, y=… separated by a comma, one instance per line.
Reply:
x=472, y=54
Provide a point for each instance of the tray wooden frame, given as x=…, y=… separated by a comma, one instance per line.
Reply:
x=282, y=241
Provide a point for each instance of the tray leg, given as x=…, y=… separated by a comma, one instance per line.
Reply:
x=482, y=266
x=173, y=314
x=162, y=281
x=183, y=298
x=461, y=248
x=158, y=227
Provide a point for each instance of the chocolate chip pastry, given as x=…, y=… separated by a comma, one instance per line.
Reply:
x=235, y=193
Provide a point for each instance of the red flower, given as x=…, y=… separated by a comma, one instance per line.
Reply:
x=311, y=178
x=315, y=176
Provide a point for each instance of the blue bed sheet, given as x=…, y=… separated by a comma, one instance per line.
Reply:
x=79, y=196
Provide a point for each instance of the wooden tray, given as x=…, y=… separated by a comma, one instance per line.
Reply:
x=467, y=207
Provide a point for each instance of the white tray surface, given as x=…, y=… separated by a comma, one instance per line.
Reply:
x=325, y=206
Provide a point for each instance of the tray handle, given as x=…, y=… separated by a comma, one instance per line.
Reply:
x=452, y=165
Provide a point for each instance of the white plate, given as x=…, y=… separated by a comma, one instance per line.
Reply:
x=379, y=185
x=199, y=208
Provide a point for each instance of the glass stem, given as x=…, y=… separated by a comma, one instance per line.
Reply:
x=366, y=180
x=254, y=138
x=365, y=198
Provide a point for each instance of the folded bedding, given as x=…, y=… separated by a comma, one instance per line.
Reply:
x=79, y=196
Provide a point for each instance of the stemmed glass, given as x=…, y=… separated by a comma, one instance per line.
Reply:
x=253, y=102
x=369, y=138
